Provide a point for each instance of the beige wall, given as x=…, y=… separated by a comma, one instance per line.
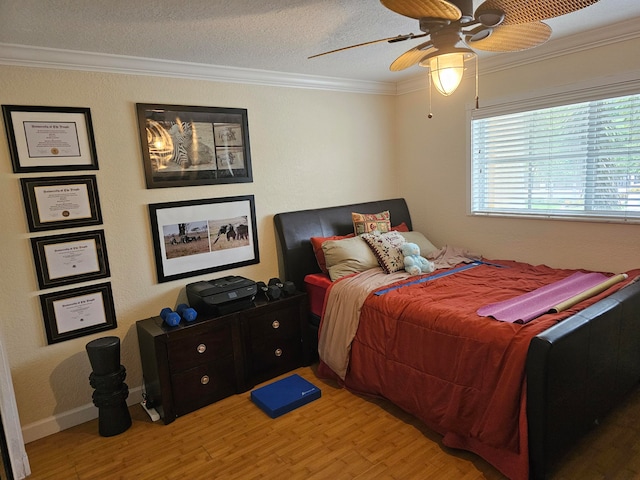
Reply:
x=433, y=153
x=309, y=149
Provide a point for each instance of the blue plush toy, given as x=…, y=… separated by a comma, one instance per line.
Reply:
x=414, y=264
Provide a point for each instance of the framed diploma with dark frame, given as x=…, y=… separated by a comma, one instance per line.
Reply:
x=185, y=145
x=78, y=312
x=50, y=139
x=70, y=258
x=61, y=202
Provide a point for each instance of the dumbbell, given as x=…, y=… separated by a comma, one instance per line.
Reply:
x=287, y=288
x=170, y=317
x=186, y=312
x=270, y=292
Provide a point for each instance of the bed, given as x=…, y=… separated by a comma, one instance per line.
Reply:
x=574, y=371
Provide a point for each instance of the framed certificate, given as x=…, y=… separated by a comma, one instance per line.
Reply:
x=50, y=139
x=61, y=202
x=70, y=258
x=78, y=312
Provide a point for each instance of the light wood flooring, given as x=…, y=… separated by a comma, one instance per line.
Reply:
x=339, y=436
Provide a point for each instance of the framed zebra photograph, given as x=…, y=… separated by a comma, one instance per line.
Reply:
x=201, y=236
x=190, y=145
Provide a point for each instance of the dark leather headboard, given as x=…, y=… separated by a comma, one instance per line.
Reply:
x=294, y=229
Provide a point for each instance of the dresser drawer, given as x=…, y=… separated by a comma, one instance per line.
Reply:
x=283, y=322
x=202, y=385
x=274, y=356
x=207, y=345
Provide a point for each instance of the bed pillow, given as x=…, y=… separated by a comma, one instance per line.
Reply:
x=316, y=243
x=369, y=222
x=400, y=228
x=386, y=248
x=426, y=247
x=347, y=256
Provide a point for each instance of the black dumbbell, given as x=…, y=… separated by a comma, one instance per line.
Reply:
x=270, y=292
x=287, y=288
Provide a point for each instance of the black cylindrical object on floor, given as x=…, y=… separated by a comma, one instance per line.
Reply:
x=107, y=378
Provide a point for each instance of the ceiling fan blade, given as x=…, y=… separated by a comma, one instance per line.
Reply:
x=424, y=8
x=398, y=38
x=513, y=38
x=411, y=57
x=528, y=11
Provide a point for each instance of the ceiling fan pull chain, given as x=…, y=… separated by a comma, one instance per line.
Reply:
x=477, y=96
x=430, y=114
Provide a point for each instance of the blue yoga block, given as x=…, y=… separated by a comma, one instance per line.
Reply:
x=285, y=395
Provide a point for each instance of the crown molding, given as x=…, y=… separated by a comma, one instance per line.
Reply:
x=599, y=37
x=43, y=57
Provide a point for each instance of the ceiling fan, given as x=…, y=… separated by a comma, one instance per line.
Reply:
x=455, y=31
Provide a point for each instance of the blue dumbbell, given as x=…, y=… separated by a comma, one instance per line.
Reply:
x=186, y=312
x=170, y=317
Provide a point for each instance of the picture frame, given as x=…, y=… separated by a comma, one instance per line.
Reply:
x=61, y=202
x=191, y=145
x=50, y=139
x=78, y=312
x=70, y=258
x=203, y=236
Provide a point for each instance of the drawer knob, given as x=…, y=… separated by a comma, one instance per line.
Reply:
x=275, y=324
x=202, y=348
x=204, y=380
x=278, y=352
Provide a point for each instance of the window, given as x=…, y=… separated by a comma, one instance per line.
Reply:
x=579, y=160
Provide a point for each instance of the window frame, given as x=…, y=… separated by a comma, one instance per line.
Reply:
x=595, y=89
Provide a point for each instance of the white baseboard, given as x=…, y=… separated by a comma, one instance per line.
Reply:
x=71, y=418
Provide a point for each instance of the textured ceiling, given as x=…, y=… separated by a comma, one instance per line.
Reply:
x=274, y=35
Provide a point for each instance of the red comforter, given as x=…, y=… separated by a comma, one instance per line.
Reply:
x=424, y=348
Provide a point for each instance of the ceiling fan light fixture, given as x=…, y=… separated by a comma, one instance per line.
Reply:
x=446, y=70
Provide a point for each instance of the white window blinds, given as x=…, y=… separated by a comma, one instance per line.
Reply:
x=578, y=160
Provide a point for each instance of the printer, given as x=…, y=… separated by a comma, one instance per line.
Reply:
x=222, y=295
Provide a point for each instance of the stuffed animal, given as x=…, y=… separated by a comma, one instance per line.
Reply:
x=414, y=264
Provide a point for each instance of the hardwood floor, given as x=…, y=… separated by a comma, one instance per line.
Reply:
x=339, y=436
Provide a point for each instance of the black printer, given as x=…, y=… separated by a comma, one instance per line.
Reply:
x=222, y=295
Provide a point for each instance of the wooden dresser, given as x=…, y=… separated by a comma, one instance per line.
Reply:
x=194, y=364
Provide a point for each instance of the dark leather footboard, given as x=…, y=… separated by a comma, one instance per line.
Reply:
x=577, y=371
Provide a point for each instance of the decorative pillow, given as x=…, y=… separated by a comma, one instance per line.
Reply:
x=316, y=243
x=386, y=248
x=350, y=255
x=400, y=228
x=368, y=222
x=426, y=247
